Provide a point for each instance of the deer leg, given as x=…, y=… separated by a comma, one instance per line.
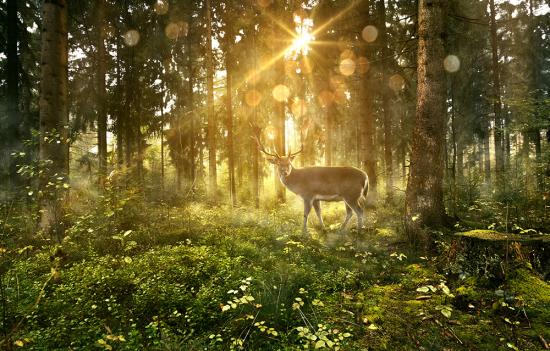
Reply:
x=307, y=209
x=349, y=213
x=359, y=213
x=317, y=207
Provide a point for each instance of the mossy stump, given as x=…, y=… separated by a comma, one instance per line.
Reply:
x=496, y=250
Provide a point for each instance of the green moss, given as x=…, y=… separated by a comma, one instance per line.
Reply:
x=530, y=286
x=486, y=234
x=536, y=294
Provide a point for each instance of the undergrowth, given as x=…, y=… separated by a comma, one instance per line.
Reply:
x=195, y=277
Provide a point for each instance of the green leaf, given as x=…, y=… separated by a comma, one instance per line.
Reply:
x=319, y=344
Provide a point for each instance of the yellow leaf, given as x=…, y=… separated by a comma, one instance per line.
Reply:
x=19, y=343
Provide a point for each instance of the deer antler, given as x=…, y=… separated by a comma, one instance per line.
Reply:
x=290, y=153
x=261, y=147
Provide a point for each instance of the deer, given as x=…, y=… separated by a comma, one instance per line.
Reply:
x=315, y=184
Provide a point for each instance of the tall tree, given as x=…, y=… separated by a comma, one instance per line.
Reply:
x=424, y=196
x=54, y=149
x=497, y=102
x=101, y=100
x=12, y=126
x=212, y=125
x=385, y=91
x=229, y=42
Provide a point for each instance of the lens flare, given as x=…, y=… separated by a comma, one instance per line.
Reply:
x=347, y=54
x=161, y=7
x=347, y=67
x=451, y=63
x=281, y=92
x=172, y=31
x=298, y=107
x=396, y=82
x=363, y=65
x=369, y=33
x=253, y=98
x=131, y=37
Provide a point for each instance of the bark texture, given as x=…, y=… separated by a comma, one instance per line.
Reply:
x=54, y=149
x=212, y=125
x=101, y=92
x=424, y=197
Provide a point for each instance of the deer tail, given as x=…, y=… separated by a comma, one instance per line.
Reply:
x=364, y=192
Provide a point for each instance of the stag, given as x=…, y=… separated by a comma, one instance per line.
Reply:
x=315, y=184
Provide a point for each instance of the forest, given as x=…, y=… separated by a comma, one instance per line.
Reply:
x=159, y=161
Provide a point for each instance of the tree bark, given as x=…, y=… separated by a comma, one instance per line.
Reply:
x=487, y=156
x=101, y=92
x=54, y=147
x=369, y=130
x=280, y=125
x=330, y=112
x=385, y=91
x=212, y=125
x=191, y=112
x=229, y=110
x=497, y=103
x=12, y=138
x=424, y=196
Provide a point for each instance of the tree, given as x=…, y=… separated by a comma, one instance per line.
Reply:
x=229, y=42
x=13, y=122
x=385, y=91
x=424, y=196
x=212, y=124
x=54, y=149
x=100, y=91
x=497, y=102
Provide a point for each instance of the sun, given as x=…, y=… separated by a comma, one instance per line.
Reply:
x=303, y=38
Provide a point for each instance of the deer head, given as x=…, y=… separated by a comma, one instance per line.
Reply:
x=283, y=163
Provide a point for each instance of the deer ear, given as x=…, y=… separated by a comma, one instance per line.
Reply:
x=291, y=158
x=272, y=160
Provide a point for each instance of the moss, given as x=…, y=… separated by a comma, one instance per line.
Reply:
x=536, y=294
x=493, y=235
x=530, y=286
x=418, y=274
x=485, y=234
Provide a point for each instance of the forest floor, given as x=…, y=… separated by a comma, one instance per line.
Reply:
x=200, y=277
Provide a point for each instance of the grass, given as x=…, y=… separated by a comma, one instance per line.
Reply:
x=200, y=277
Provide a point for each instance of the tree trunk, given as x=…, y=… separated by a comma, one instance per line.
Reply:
x=487, y=157
x=368, y=140
x=385, y=91
x=161, y=132
x=101, y=93
x=424, y=196
x=280, y=125
x=229, y=109
x=12, y=138
x=119, y=125
x=369, y=129
x=54, y=147
x=255, y=174
x=191, y=112
x=330, y=112
x=212, y=126
x=497, y=104
x=534, y=86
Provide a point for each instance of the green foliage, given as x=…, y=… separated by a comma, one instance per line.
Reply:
x=222, y=278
